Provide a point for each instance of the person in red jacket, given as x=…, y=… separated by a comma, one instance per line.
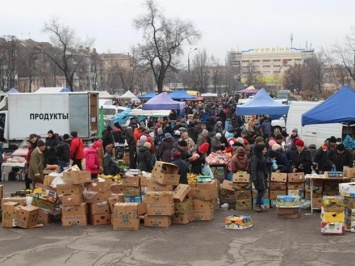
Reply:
x=76, y=149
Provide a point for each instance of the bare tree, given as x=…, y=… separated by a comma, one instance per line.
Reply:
x=65, y=55
x=163, y=39
x=313, y=74
x=9, y=46
x=293, y=78
x=251, y=75
x=200, y=70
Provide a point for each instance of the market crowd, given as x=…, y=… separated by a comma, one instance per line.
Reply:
x=186, y=138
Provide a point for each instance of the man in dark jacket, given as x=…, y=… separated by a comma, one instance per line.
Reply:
x=131, y=142
x=63, y=152
x=183, y=167
x=49, y=153
x=340, y=157
x=145, y=158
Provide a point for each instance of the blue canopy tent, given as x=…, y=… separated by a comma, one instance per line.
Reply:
x=149, y=95
x=262, y=104
x=181, y=95
x=163, y=102
x=338, y=108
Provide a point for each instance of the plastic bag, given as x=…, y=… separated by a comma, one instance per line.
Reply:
x=57, y=180
x=349, y=142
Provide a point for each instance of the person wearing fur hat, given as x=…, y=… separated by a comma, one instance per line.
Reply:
x=49, y=153
x=340, y=157
x=239, y=161
x=259, y=173
x=166, y=147
x=191, y=146
x=198, y=158
x=145, y=158
x=302, y=160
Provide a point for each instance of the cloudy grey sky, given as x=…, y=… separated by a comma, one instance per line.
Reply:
x=225, y=24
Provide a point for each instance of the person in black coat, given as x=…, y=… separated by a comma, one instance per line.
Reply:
x=183, y=167
x=49, y=153
x=63, y=152
x=110, y=167
x=302, y=160
x=145, y=158
x=283, y=165
x=340, y=157
x=259, y=174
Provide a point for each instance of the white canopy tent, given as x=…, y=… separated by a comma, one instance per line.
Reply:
x=128, y=95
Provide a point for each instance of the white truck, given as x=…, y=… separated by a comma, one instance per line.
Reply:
x=311, y=134
x=22, y=114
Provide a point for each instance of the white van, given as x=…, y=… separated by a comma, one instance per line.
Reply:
x=110, y=111
x=310, y=134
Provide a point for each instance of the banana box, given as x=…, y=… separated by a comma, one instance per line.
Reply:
x=349, y=225
x=350, y=214
x=286, y=201
x=347, y=189
x=333, y=203
x=238, y=222
x=296, y=192
x=332, y=217
x=332, y=228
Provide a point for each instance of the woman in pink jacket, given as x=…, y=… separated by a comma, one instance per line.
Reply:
x=92, y=160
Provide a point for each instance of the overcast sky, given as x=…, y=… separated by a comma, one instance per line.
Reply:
x=224, y=24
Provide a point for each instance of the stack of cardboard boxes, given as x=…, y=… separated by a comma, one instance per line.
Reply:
x=296, y=184
x=347, y=190
x=204, y=200
x=183, y=205
x=333, y=215
x=278, y=186
x=242, y=191
x=227, y=193
x=125, y=216
x=288, y=207
x=99, y=209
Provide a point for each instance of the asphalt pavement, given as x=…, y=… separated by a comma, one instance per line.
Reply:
x=271, y=241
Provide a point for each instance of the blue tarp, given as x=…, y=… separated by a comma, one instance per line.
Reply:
x=149, y=95
x=162, y=102
x=262, y=104
x=181, y=95
x=338, y=108
x=65, y=90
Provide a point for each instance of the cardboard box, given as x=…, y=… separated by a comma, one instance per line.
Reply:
x=295, y=177
x=183, y=218
x=183, y=207
x=296, y=192
x=131, y=181
x=242, y=186
x=347, y=189
x=44, y=204
x=76, y=177
x=43, y=217
x=8, y=214
x=72, y=220
x=296, y=185
x=209, y=185
x=243, y=194
x=126, y=225
x=26, y=216
x=333, y=217
x=203, y=215
x=144, y=180
x=275, y=193
x=227, y=185
x=99, y=208
x=243, y=204
x=288, y=201
x=45, y=192
x=278, y=177
x=116, y=188
x=154, y=186
x=333, y=203
x=72, y=200
x=229, y=193
x=239, y=177
x=99, y=186
x=125, y=211
x=75, y=210
x=99, y=197
x=100, y=219
x=131, y=191
x=160, y=208
x=349, y=203
x=19, y=200
x=142, y=208
x=162, y=221
x=277, y=185
x=159, y=197
x=166, y=173
x=47, y=181
x=180, y=192
x=317, y=203
x=69, y=189
x=114, y=199
x=202, y=205
x=349, y=214
x=288, y=213
x=266, y=194
x=332, y=228
x=204, y=194
x=349, y=171
x=331, y=184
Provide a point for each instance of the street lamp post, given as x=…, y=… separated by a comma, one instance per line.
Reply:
x=188, y=58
